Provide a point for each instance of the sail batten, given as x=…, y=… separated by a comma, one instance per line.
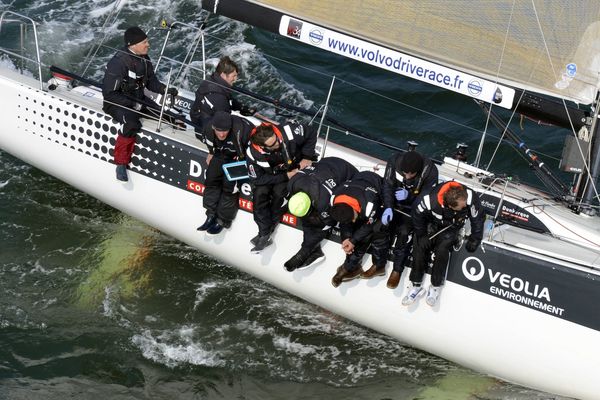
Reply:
x=546, y=46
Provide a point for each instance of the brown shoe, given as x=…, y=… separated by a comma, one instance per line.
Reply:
x=393, y=280
x=353, y=274
x=372, y=272
x=342, y=275
x=339, y=275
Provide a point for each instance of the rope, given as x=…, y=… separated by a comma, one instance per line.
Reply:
x=487, y=121
x=589, y=180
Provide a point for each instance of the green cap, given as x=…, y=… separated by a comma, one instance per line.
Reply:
x=299, y=204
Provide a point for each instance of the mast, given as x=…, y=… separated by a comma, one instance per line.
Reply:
x=592, y=177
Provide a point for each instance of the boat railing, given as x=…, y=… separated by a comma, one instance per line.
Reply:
x=186, y=64
x=24, y=23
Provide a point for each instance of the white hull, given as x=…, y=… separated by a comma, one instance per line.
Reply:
x=470, y=327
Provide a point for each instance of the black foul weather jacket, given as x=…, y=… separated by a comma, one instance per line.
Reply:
x=296, y=142
x=365, y=187
x=432, y=210
x=420, y=185
x=126, y=76
x=213, y=94
x=235, y=144
x=320, y=180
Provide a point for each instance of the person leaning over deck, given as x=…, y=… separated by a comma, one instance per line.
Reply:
x=275, y=154
x=437, y=220
x=214, y=94
x=126, y=76
x=226, y=137
x=408, y=176
x=357, y=207
x=311, y=190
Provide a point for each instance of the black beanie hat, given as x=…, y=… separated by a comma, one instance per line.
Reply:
x=134, y=35
x=342, y=213
x=411, y=162
x=221, y=121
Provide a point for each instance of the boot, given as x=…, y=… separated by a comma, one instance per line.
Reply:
x=254, y=240
x=210, y=221
x=215, y=228
x=261, y=243
x=314, y=258
x=297, y=260
x=393, y=280
x=122, y=172
x=373, y=272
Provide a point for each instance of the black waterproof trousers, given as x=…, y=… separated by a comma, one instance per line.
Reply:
x=379, y=242
x=401, y=228
x=221, y=197
x=441, y=245
x=268, y=203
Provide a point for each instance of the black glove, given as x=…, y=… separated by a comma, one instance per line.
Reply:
x=172, y=91
x=247, y=111
x=472, y=244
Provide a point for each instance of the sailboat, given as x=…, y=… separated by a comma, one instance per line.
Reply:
x=522, y=308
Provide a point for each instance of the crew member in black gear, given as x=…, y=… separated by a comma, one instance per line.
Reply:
x=437, y=221
x=226, y=138
x=408, y=176
x=126, y=76
x=214, y=94
x=357, y=207
x=276, y=153
x=311, y=190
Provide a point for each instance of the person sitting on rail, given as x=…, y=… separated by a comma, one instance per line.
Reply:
x=275, y=154
x=126, y=76
x=357, y=207
x=226, y=138
x=214, y=94
x=408, y=176
x=311, y=190
x=437, y=221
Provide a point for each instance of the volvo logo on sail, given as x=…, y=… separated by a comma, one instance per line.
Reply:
x=315, y=36
x=475, y=87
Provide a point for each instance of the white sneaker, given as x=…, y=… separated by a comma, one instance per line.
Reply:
x=432, y=295
x=414, y=293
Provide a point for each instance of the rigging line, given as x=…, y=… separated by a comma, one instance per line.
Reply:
x=114, y=12
x=569, y=230
x=487, y=122
x=504, y=132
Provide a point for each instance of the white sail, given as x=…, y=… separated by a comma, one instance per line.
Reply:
x=546, y=46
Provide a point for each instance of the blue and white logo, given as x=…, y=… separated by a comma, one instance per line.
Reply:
x=475, y=87
x=315, y=36
x=571, y=70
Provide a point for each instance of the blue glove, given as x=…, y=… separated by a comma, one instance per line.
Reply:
x=388, y=215
x=401, y=194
